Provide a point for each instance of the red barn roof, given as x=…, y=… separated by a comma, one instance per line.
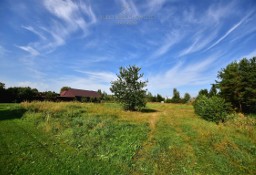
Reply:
x=79, y=93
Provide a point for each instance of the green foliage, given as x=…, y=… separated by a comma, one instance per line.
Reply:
x=104, y=97
x=176, y=96
x=212, y=109
x=49, y=96
x=203, y=92
x=159, y=98
x=20, y=94
x=2, y=85
x=237, y=84
x=213, y=91
x=64, y=88
x=129, y=89
x=186, y=98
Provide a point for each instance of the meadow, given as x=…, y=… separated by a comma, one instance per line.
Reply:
x=86, y=138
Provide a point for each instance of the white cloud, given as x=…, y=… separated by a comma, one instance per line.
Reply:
x=68, y=17
x=29, y=49
x=129, y=8
x=31, y=29
x=79, y=83
x=105, y=77
x=183, y=74
x=155, y=5
x=248, y=55
x=199, y=42
x=38, y=85
x=171, y=39
x=229, y=31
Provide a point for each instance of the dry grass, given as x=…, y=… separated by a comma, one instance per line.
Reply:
x=178, y=142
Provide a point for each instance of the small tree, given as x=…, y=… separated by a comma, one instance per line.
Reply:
x=129, y=89
x=64, y=88
x=176, y=96
x=212, y=109
x=159, y=98
x=186, y=98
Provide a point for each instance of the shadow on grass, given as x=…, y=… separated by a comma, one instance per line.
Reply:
x=9, y=114
x=148, y=110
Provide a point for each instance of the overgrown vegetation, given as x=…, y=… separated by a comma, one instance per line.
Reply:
x=75, y=138
x=236, y=86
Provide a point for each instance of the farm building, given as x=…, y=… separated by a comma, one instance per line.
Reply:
x=79, y=95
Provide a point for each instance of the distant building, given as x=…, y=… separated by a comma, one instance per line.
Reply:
x=79, y=95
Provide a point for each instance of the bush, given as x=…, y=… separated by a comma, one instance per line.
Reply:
x=212, y=109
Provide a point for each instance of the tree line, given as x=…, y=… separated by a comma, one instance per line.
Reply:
x=234, y=91
x=19, y=94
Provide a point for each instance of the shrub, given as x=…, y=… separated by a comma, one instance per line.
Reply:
x=212, y=109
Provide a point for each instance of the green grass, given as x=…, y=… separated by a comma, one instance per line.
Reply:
x=76, y=138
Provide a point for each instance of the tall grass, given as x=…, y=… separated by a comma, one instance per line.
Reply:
x=87, y=138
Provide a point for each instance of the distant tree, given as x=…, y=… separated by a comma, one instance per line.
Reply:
x=159, y=98
x=129, y=88
x=176, y=96
x=150, y=97
x=203, y=92
x=186, y=98
x=19, y=94
x=64, y=88
x=49, y=96
x=3, y=93
x=237, y=84
x=2, y=85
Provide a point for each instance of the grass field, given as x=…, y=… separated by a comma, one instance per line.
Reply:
x=77, y=138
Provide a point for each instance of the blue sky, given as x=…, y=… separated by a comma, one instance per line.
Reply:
x=48, y=44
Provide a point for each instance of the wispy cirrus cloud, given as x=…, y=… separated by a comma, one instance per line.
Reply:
x=170, y=40
x=154, y=5
x=67, y=18
x=104, y=77
x=29, y=49
x=237, y=25
x=129, y=8
x=183, y=74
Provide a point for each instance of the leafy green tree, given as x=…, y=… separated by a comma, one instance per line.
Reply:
x=212, y=108
x=49, y=96
x=64, y=88
x=2, y=85
x=3, y=93
x=129, y=88
x=150, y=97
x=159, y=98
x=176, y=96
x=237, y=84
x=186, y=98
x=203, y=92
x=213, y=91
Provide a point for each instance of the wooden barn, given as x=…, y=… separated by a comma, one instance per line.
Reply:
x=79, y=95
